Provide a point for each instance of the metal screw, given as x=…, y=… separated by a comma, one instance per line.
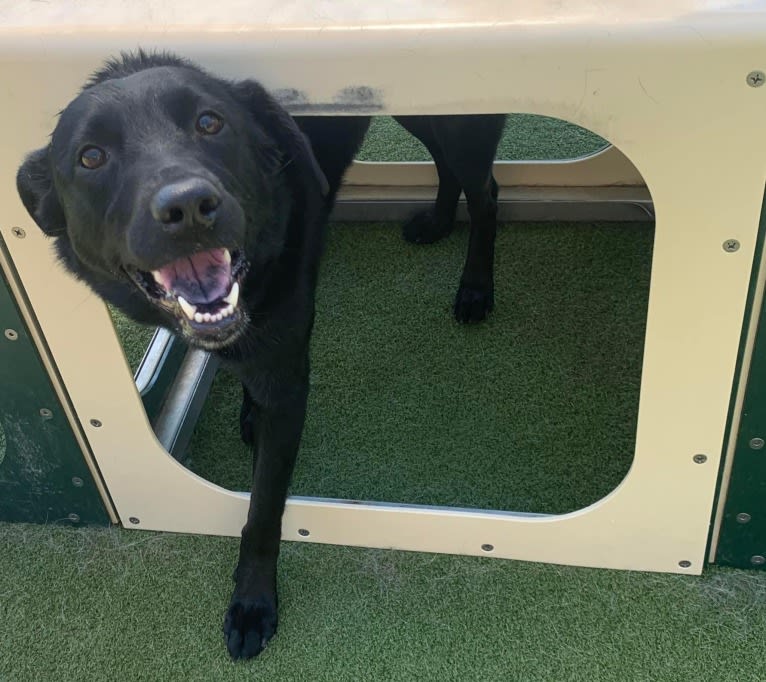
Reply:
x=11, y=334
x=18, y=232
x=731, y=245
x=303, y=532
x=74, y=518
x=488, y=547
x=700, y=459
x=758, y=560
x=684, y=563
x=45, y=413
x=95, y=422
x=755, y=79
x=77, y=482
x=743, y=517
x=757, y=443
x=134, y=520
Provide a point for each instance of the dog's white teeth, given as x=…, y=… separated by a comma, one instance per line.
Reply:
x=189, y=310
x=192, y=314
x=157, y=277
x=233, y=296
x=227, y=311
x=226, y=256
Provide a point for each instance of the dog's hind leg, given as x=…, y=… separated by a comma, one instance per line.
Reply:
x=469, y=145
x=437, y=221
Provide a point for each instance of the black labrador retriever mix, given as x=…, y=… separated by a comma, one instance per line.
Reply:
x=197, y=204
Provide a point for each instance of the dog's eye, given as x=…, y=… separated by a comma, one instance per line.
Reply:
x=92, y=157
x=209, y=123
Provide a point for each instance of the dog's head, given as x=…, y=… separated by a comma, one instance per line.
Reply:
x=167, y=189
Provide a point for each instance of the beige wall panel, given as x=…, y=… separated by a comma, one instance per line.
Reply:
x=665, y=82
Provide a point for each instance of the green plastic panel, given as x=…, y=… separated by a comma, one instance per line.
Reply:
x=742, y=539
x=43, y=475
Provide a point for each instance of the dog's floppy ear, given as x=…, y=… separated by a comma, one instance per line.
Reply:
x=34, y=182
x=324, y=186
x=265, y=109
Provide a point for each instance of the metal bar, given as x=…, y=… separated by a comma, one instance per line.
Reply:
x=158, y=370
x=182, y=406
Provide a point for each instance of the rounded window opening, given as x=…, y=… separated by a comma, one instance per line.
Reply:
x=533, y=410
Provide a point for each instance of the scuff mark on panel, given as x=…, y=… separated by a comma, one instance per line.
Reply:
x=356, y=99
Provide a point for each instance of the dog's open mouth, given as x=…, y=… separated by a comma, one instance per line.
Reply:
x=202, y=289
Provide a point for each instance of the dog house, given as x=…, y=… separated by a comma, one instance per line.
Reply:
x=676, y=86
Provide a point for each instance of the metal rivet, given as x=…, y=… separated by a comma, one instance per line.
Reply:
x=95, y=422
x=757, y=443
x=743, y=517
x=700, y=459
x=134, y=520
x=303, y=532
x=45, y=413
x=488, y=547
x=18, y=232
x=74, y=518
x=731, y=245
x=684, y=563
x=11, y=334
x=755, y=79
x=77, y=482
x=758, y=560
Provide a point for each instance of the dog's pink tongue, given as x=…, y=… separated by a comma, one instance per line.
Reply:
x=200, y=278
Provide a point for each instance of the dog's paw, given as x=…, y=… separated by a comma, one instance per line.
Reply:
x=423, y=228
x=248, y=626
x=473, y=304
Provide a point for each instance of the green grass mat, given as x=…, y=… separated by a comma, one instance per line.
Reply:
x=127, y=605
x=525, y=137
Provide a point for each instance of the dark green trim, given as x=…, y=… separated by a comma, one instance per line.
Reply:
x=44, y=477
x=742, y=536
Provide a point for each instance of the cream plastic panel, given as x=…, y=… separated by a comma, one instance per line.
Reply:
x=665, y=81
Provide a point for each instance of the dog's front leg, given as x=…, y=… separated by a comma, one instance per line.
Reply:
x=251, y=619
x=248, y=419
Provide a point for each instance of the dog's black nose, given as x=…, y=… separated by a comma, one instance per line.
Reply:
x=186, y=204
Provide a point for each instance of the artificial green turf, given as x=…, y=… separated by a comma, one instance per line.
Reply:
x=533, y=410
x=119, y=605
x=525, y=137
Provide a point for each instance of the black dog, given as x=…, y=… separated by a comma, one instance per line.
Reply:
x=196, y=204
x=463, y=149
